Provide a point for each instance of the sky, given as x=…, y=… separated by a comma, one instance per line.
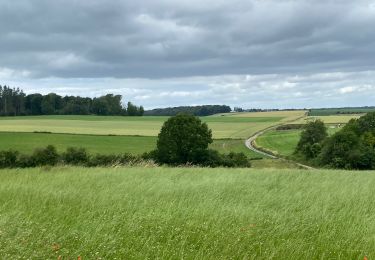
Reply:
x=161, y=53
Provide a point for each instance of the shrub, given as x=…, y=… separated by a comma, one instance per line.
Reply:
x=45, y=156
x=215, y=159
x=236, y=160
x=8, y=159
x=103, y=160
x=75, y=156
x=183, y=139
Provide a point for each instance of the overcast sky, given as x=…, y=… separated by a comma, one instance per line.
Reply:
x=158, y=53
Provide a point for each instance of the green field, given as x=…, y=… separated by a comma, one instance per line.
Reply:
x=335, y=111
x=182, y=213
x=283, y=142
x=27, y=142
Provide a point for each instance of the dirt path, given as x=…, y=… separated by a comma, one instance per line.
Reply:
x=250, y=145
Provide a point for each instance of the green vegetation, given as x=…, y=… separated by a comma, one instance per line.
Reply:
x=283, y=142
x=186, y=213
x=233, y=145
x=205, y=110
x=14, y=102
x=27, y=142
x=183, y=139
x=343, y=110
x=310, y=142
x=353, y=147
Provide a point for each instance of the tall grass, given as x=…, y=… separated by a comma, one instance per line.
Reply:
x=175, y=213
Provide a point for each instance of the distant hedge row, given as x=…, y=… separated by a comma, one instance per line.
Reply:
x=49, y=156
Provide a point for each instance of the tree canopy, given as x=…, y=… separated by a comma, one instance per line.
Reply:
x=14, y=102
x=183, y=139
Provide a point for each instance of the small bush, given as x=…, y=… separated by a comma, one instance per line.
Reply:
x=75, y=156
x=290, y=127
x=8, y=159
x=236, y=160
x=45, y=156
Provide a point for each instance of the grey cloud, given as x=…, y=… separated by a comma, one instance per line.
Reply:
x=161, y=39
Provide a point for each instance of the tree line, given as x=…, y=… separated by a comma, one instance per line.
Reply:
x=204, y=110
x=14, y=102
x=353, y=147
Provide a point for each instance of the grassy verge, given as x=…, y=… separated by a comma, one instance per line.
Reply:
x=129, y=213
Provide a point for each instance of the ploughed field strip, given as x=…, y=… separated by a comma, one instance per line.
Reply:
x=186, y=213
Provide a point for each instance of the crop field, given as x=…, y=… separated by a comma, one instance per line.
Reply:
x=336, y=119
x=186, y=213
x=283, y=142
x=222, y=126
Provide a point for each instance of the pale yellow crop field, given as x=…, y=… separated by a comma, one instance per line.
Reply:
x=336, y=119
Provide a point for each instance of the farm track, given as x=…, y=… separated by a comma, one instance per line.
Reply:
x=249, y=143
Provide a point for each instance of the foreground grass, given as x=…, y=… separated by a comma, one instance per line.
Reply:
x=191, y=213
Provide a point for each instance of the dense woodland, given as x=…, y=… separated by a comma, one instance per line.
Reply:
x=14, y=102
x=205, y=110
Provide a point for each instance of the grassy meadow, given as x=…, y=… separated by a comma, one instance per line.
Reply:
x=103, y=144
x=186, y=213
x=283, y=142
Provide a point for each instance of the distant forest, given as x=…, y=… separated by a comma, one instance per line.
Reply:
x=14, y=102
x=205, y=110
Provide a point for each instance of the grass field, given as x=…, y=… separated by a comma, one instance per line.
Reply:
x=165, y=213
x=335, y=111
x=283, y=142
x=27, y=142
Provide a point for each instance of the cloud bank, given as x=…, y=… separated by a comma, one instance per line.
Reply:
x=258, y=53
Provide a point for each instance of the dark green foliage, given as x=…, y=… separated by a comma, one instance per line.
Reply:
x=204, y=110
x=290, y=127
x=235, y=160
x=8, y=159
x=45, y=156
x=112, y=160
x=338, y=111
x=14, y=102
x=311, y=137
x=75, y=156
x=183, y=139
x=353, y=147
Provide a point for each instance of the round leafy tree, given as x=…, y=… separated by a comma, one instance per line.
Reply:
x=183, y=139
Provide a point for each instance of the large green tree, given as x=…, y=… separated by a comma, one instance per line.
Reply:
x=312, y=136
x=183, y=139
